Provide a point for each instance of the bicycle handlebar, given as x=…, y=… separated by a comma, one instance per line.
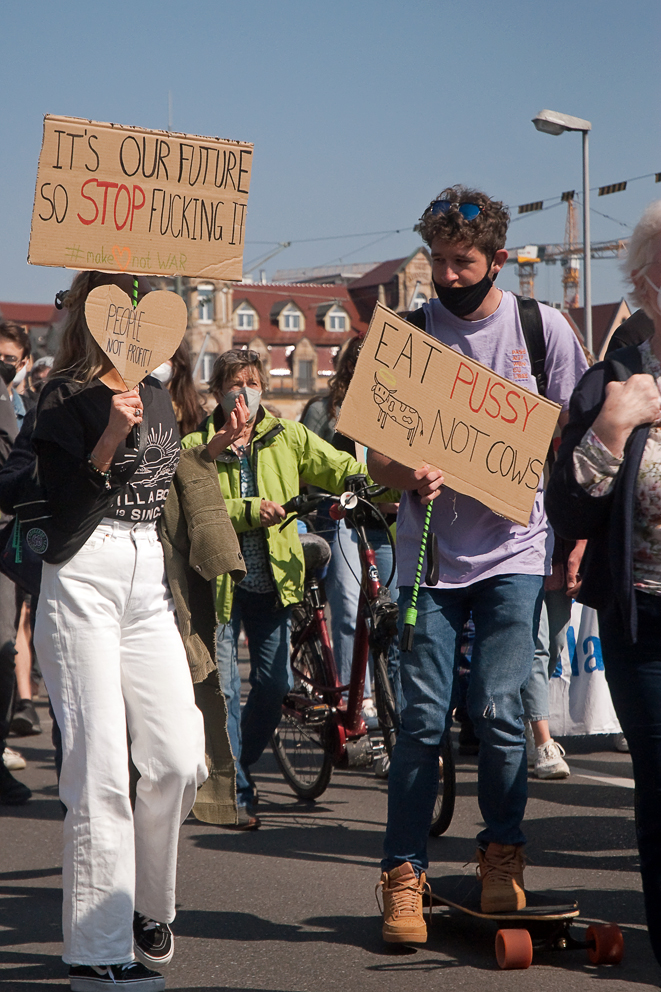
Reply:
x=302, y=504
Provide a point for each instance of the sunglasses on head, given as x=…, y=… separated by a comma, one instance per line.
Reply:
x=469, y=211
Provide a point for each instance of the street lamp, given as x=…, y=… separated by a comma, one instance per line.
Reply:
x=552, y=122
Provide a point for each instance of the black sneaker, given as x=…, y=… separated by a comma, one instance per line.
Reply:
x=12, y=792
x=153, y=942
x=93, y=978
x=25, y=722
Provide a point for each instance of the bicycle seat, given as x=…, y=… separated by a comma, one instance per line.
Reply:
x=316, y=551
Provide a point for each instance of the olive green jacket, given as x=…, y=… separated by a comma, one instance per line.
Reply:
x=199, y=543
x=283, y=454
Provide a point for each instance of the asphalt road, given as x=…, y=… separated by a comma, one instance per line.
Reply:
x=291, y=908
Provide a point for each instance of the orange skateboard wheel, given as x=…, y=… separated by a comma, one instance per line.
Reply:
x=608, y=943
x=513, y=949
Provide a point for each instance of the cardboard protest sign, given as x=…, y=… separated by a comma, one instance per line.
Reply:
x=124, y=199
x=136, y=340
x=418, y=401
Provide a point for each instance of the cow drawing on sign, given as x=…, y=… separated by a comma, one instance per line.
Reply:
x=403, y=414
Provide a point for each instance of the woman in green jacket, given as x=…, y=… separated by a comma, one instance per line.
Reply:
x=261, y=460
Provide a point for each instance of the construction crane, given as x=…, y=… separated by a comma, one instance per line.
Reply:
x=571, y=276
x=569, y=254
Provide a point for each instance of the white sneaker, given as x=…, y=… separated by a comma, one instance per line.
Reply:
x=382, y=767
x=369, y=714
x=549, y=761
x=13, y=760
x=620, y=743
x=531, y=747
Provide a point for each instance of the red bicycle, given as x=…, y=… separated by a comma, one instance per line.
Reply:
x=319, y=730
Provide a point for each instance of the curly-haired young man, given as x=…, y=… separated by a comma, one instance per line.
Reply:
x=488, y=566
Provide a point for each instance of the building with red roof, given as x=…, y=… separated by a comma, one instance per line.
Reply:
x=38, y=318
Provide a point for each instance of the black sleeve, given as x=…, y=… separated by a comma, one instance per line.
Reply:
x=8, y=423
x=62, y=407
x=18, y=466
x=417, y=318
x=572, y=512
x=75, y=492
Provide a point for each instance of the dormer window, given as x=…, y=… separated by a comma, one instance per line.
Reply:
x=336, y=319
x=245, y=318
x=290, y=318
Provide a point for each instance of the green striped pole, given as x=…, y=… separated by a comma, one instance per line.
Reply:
x=411, y=614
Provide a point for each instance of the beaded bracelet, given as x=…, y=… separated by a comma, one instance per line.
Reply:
x=95, y=468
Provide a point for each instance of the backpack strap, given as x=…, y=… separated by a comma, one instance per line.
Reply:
x=533, y=333
x=417, y=318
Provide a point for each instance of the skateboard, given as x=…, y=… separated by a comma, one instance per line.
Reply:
x=543, y=925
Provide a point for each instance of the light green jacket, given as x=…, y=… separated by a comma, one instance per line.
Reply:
x=283, y=454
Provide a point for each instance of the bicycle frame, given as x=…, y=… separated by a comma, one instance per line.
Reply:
x=348, y=726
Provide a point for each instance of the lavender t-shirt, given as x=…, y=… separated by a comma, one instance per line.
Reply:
x=475, y=543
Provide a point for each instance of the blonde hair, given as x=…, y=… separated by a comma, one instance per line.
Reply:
x=79, y=357
x=644, y=244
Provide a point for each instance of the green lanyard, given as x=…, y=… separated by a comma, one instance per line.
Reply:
x=411, y=614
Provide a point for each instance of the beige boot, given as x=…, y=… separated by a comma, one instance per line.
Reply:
x=403, y=921
x=500, y=869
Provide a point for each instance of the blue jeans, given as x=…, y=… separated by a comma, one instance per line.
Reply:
x=505, y=612
x=551, y=639
x=633, y=673
x=267, y=625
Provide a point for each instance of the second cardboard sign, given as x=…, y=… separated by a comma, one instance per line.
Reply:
x=418, y=401
x=136, y=339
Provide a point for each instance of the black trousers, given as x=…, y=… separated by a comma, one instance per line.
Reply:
x=7, y=654
x=633, y=672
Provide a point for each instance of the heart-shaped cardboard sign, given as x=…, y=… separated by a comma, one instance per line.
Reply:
x=135, y=340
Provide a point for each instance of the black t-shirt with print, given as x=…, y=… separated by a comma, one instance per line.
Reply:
x=70, y=421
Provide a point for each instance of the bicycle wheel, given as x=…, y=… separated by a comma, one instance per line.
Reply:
x=384, y=698
x=447, y=790
x=302, y=746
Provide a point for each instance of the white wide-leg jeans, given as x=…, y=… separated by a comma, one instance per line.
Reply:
x=112, y=659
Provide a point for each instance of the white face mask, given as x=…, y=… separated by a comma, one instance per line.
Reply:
x=20, y=375
x=253, y=398
x=656, y=288
x=163, y=373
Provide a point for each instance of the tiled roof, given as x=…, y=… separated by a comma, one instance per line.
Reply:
x=338, y=272
x=382, y=274
x=325, y=361
x=266, y=298
x=32, y=314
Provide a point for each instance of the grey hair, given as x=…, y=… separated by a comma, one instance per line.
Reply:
x=645, y=241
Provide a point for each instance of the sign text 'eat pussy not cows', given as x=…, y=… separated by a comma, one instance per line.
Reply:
x=418, y=401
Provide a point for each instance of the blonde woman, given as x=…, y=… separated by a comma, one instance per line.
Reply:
x=113, y=660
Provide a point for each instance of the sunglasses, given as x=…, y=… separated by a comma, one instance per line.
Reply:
x=469, y=211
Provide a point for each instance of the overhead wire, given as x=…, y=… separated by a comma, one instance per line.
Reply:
x=550, y=202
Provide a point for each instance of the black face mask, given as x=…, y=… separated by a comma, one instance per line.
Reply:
x=7, y=372
x=463, y=300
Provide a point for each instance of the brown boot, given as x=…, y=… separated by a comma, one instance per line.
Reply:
x=403, y=921
x=500, y=869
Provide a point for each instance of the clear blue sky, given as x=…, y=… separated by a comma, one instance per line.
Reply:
x=360, y=111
